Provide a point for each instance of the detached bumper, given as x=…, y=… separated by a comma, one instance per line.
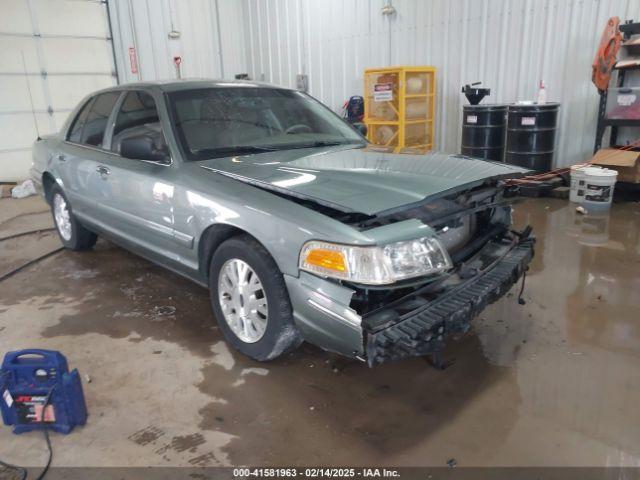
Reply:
x=418, y=325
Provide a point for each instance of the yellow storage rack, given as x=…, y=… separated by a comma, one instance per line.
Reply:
x=399, y=107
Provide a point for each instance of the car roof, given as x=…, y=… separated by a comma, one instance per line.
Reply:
x=190, y=84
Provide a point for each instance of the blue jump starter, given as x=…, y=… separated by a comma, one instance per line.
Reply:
x=27, y=378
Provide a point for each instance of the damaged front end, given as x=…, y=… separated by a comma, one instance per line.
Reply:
x=414, y=318
x=417, y=323
x=428, y=243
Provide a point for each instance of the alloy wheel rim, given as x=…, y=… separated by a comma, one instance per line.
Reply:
x=243, y=300
x=62, y=216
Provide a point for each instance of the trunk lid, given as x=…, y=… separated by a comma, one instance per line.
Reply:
x=361, y=180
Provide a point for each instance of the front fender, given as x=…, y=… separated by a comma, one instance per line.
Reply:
x=281, y=225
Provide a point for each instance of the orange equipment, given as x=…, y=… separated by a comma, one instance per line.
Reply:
x=606, y=55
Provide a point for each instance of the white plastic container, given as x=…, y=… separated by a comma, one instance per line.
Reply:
x=576, y=193
x=598, y=188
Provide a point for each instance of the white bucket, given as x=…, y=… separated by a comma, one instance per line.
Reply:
x=598, y=187
x=576, y=193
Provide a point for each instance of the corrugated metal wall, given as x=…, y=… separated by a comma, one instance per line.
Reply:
x=508, y=44
x=211, y=40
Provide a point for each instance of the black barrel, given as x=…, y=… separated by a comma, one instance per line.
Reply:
x=483, y=131
x=531, y=134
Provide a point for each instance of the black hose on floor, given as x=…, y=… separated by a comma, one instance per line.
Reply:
x=30, y=262
x=22, y=215
x=45, y=431
x=22, y=471
x=9, y=237
x=19, y=470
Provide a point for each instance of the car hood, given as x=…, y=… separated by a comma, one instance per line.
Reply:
x=361, y=180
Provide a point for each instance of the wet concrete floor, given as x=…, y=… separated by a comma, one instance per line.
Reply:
x=554, y=382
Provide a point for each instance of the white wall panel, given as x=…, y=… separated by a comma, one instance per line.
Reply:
x=21, y=126
x=14, y=94
x=68, y=90
x=15, y=19
x=508, y=44
x=52, y=53
x=12, y=168
x=232, y=25
x=211, y=41
x=75, y=17
x=13, y=50
x=64, y=57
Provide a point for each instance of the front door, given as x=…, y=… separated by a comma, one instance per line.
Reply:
x=137, y=194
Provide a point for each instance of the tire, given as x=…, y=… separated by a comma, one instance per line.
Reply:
x=72, y=234
x=261, y=342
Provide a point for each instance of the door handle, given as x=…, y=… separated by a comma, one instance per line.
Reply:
x=103, y=171
x=61, y=158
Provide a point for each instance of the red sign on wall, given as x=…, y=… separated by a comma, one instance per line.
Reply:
x=133, y=58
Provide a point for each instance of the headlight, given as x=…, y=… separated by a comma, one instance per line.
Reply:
x=375, y=265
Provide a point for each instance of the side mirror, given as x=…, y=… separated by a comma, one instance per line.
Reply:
x=145, y=147
x=361, y=127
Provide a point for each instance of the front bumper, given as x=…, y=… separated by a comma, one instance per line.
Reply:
x=417, y=326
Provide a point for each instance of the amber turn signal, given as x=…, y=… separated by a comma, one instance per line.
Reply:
x=329, y=259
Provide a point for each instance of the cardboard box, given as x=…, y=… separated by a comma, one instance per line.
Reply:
x=625, y=162
x=5, y=189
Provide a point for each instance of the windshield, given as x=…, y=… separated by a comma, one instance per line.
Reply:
x=216, y=122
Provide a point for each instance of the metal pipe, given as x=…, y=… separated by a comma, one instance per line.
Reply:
x=219, y=38
x=389, y=11
x=113, y=45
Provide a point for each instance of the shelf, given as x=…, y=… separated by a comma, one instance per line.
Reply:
x=369, y=121
x=419, y=120
x=621, y=123
x=409, y=121
x=627, y=64
x=421, y=145
x=408, y=69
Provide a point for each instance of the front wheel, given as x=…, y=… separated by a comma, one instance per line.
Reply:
x=72, y=234
x=250, y=300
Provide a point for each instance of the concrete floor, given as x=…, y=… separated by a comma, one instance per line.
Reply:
x=556, y=382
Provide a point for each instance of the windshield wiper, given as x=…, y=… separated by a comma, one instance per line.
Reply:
x=226, y=151
x=209, y=153
x=322, y=143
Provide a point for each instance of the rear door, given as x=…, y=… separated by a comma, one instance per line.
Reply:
x=137, y=195
x=82, y=150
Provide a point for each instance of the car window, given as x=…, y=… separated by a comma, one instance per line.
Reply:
x=138, y=115
x=75, y=132
x=212, y=122
x=95, y=123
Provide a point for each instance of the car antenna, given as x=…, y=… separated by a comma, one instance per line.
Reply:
x=33, y=110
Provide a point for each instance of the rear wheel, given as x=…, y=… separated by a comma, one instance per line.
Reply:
x=250, y=300
x=72, y=234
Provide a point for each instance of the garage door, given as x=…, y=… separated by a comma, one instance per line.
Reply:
x=52, y=53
